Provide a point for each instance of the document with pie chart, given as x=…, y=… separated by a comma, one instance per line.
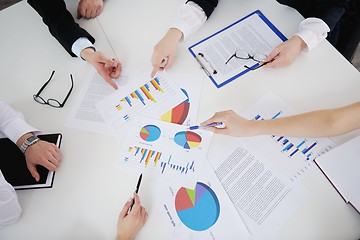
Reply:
x=198, y=208
x=155, y=147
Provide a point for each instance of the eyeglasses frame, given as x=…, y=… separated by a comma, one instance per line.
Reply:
x=37, y=95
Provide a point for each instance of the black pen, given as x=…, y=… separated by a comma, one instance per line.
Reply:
x=136, y=190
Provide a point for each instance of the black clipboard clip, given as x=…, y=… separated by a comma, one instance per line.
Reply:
x=200, y=58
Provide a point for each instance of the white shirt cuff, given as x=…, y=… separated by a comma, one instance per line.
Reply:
x=18, y=127
x=79, y=45
x=189, y=19
x=313, y=31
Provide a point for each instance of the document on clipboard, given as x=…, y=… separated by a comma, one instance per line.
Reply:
x=253, y=34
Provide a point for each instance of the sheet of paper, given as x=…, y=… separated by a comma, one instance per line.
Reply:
x=198, y=207
x=84, y=115
x=293, y=155
x=150, y=98
x=155, y=148
x=262, y=195
x=341, y=166
x=251, y=35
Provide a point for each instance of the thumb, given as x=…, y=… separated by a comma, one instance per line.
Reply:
x=33, y=171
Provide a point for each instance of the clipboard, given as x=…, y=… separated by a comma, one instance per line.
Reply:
x=253, y=33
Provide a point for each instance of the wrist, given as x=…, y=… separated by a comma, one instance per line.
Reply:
x=300, y=42
x=87, y=52
x=175, y=34
x=26, y=141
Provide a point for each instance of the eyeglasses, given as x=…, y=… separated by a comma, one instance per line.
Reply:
x=257, y=57
x=52, y=102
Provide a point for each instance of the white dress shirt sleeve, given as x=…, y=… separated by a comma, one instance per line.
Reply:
x=12, y=123
x=10, y=210
x=81, y=44
x=189, y=19
x=313, y=31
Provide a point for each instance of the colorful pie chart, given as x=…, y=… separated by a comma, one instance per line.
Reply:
x=198, y=208
x=187, y=139
x=150, y=133
x=179, y=113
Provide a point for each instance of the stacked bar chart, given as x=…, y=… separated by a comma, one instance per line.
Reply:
x=158, y=161
x=145, y=156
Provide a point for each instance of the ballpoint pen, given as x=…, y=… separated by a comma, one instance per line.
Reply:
x=136, y=191
x=214, y=124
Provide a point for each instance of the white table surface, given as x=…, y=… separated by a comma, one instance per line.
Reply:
x=88, y=192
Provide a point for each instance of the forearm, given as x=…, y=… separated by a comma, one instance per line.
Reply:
x=330, y=122
x=60, y=22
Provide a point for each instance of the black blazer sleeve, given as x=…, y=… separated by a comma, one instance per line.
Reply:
x=207, y=5
x=60, y=22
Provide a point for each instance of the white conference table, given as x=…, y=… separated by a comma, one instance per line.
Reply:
x=88, y=192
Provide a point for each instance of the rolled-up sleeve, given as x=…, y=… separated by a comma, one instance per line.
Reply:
x=12, y=123
x=312, y=31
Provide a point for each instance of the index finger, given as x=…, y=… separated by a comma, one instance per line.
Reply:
x=108, y=79
x=154, y=71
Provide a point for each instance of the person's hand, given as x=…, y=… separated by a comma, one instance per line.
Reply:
x=107, y=68
x=89, y=8
x=130, y=223
x=42, y=153
x=235, y=125
x=165, y=51
x=286, y=53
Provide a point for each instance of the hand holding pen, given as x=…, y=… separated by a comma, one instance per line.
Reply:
x=130, y=222
x=205, y=126
x=136, y=191
x=233, y=124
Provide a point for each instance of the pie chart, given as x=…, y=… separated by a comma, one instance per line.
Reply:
x=187, y=139
x=198, y=208
x=150, y=133
x=179, y=113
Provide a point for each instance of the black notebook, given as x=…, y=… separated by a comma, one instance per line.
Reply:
x=13, y=165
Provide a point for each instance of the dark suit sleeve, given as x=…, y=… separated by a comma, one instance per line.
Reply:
x=60, y=22
x=207, y=5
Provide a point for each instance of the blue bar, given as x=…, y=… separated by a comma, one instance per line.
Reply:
x=163, y=164
x=287, y=147
x=147, y=86
x=137, y=150
x=142, y=158
x=128, y=101
x=157, y=80
x=285, y=141
x=293, y=153
x=308, y=149
x=298, y=146
x=276, y=115
x=280, y=138
x=140, y=97
x=308, y=156
x=257, y=117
